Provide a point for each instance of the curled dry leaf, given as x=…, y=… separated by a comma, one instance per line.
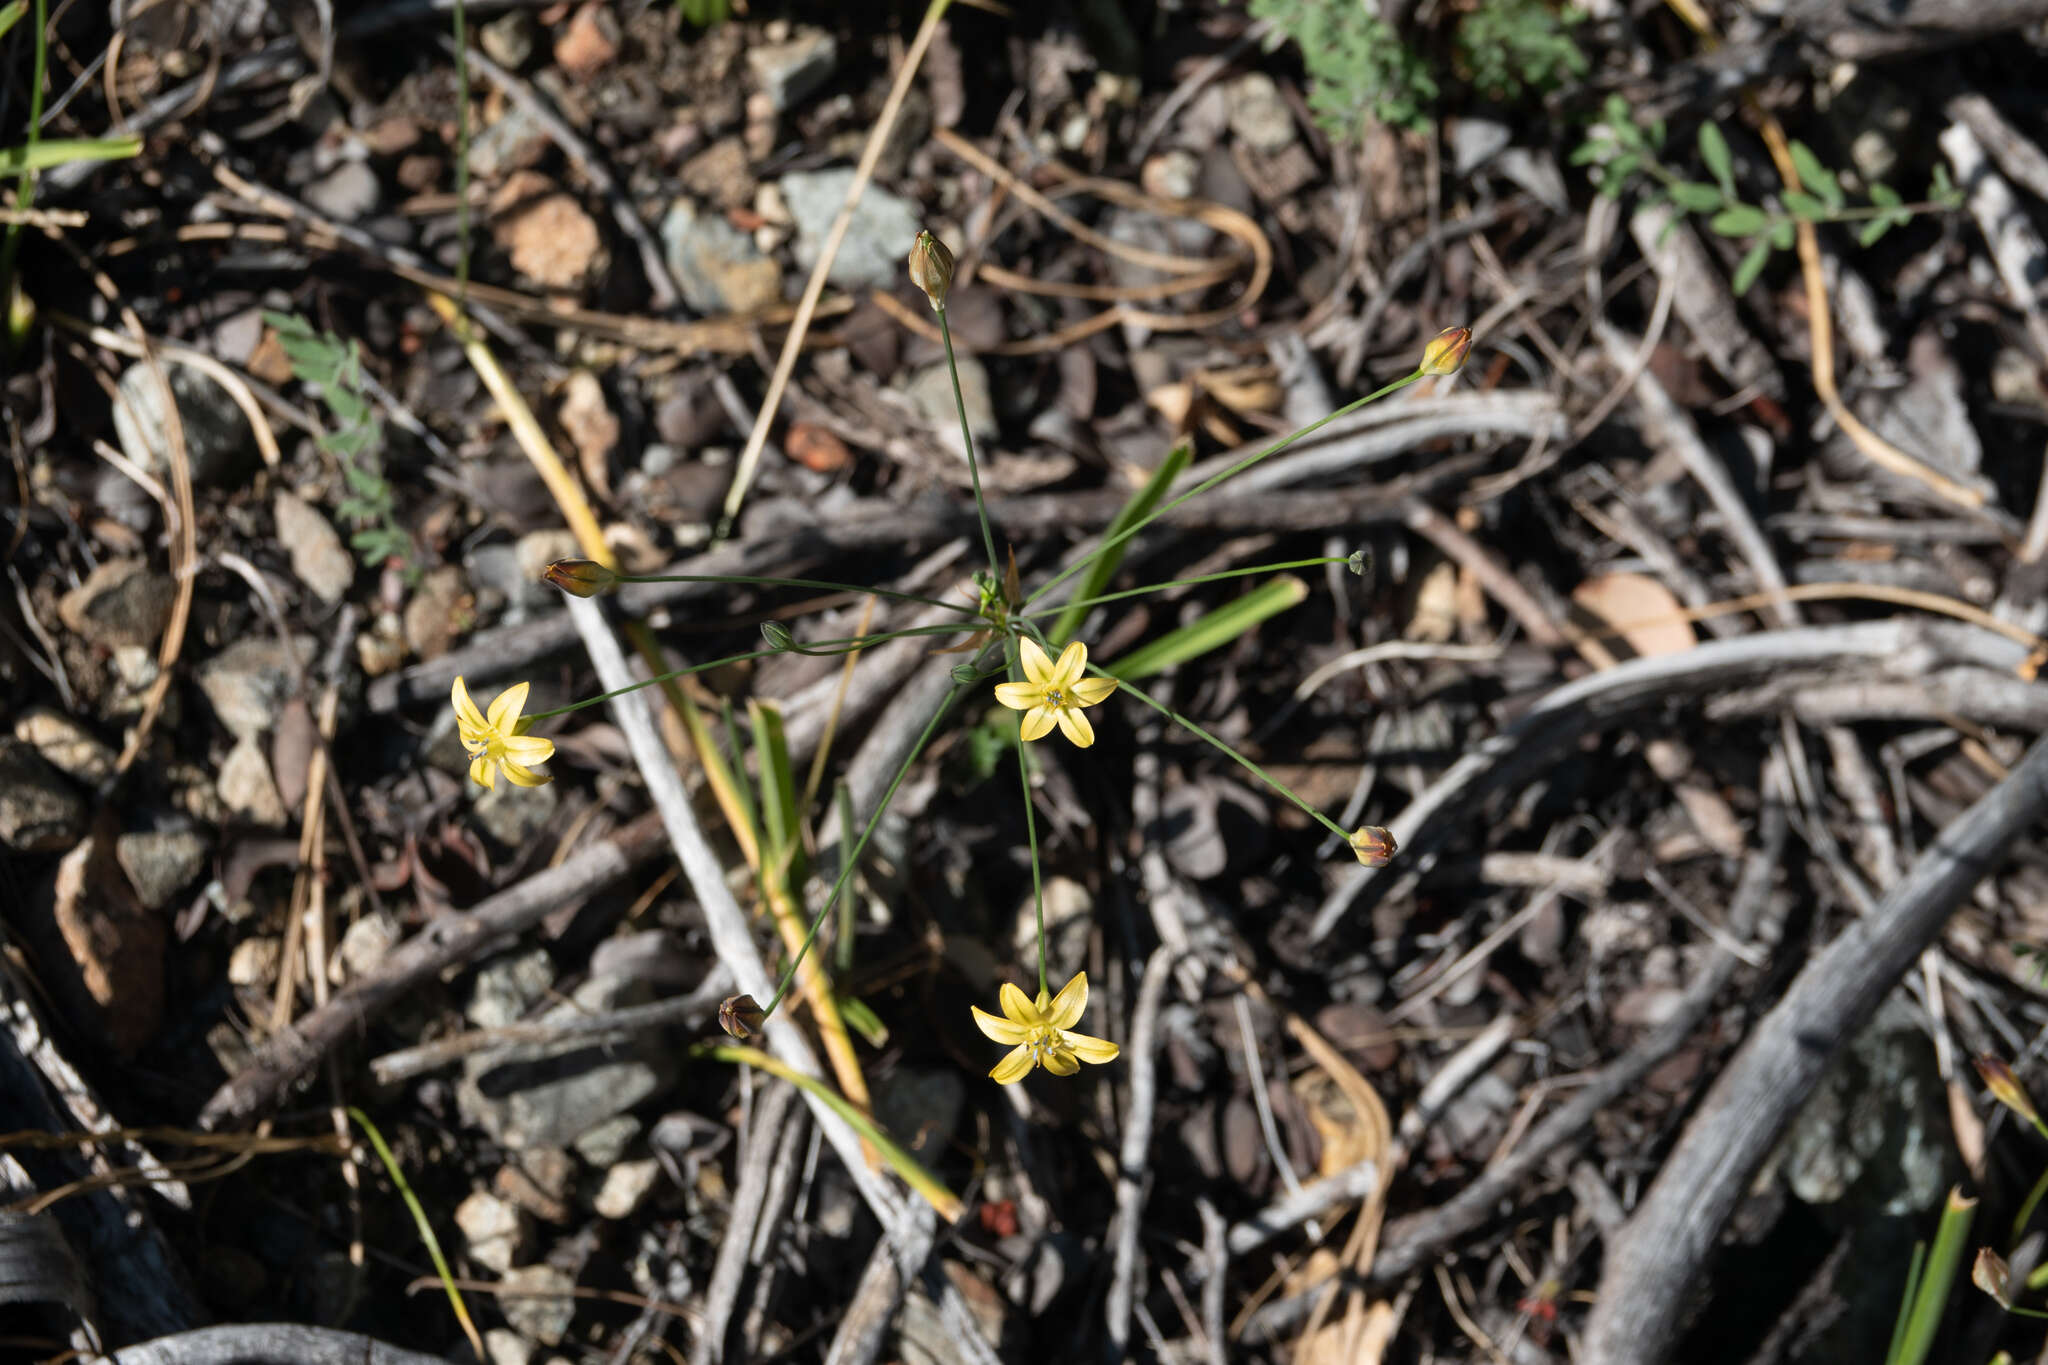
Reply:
x=1642, y=611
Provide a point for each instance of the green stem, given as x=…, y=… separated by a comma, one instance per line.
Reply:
x=851, y=859
x=1254, y=769
x=419, y=1219
x=462, y=160
x=1031, y=834
x=745, y=580
x=821, y=648
x=1246, y=463
x=988, y=536
x=25, y=193
x=1185, y=583
x=914, y=1174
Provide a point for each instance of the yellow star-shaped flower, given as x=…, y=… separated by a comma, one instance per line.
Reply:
x=1038, y=1032
x=1055, y=692
x=494, y=741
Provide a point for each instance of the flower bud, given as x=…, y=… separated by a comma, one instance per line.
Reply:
x=741, y=1016
x=581, y=577
x=1446, y=352
x=931, y=268
x=1990, y=1273
x=776, y=635
x=2005, y=1087
x=1374, y=846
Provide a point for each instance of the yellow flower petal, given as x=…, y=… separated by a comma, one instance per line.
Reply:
x=1037, y=722
x=1014, y=1067
x=1065, y=1010
x=1037, y=667
x=1093, y=1050
x=1060, y=1062
x=483, y=772
x=524, y=777
x=467, y=718
x=529, y=749
x=504, y=712
x=1017, y=1006
x=1090, y=691
x=1074, y=724
x=1073, y=659
x=1019, y=696
x=997, y=1030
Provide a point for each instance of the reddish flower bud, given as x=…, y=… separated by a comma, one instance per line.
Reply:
x=1446, y=352
x=931, y=268
x=741, y=1016
x=1374, y=846
x=581, y=577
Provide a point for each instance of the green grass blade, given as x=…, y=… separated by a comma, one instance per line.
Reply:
x=10, y=15
x=1930, y=1295
x=426, y=1229
x=1212, y=631
x=782, y=846
x=43, y=156
x=1111, y=556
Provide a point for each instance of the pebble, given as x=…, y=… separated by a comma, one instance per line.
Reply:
x=1259, y=116
x=503, y=1346
x=790, y=72
x=249, y=682
x=878, y=237
x=494, y=1229
x=345, y=194
x=605, y=1145
x=508, y=40
x=549, y=237
x=932, y=390
x=161, y=862
x=718, y=267
x=440, y=610
x=319, y=559
x=364, y=946
x=920, y=1108
x=720, y=174
x=515, y=142
x=537, y=1303
x=549, y=1096
x=39, y=813
x=66, y=745
x=507, y=987
x=625, y=1186
x=590, y=41
x=1171, y=174
x=218, y=442
x=121, y=602
x=587, y=418
x=254, y=961
x=512, y=815
x=247, y=789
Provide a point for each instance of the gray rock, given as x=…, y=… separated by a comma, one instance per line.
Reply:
x=787, y=73
x=878, y=238
x=508, y=41
x=920, y=1108
x=1476, y=141
x=1259, y=116
x=122, y=602
x=254, y=961
x=625, y=1185
x=39, y=813
x=1874, y=1130
x=508, y=987
x=605, y=1145
x=718, y=267
x=319, y=559
x=249, y=682
x=66, y=745
x=246, y=787
x=364, y=945
x=162, y=862
x=516, y=141
x=932, y=390
x=345, y=194
x=538, y=1303
x=502, y=1345
x=496, y=568
x=494, y=1228
x=512, y=815
x=218, y=443
x=547, y=1096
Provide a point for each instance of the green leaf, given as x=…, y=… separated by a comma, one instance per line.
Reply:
x=1884, y=195
x=1872, y=230
x=10, y=15
x=1783, y=234
x=1615, y=174
x=1816, y=177
x=1752, y=266
x=1940, y=188
x=1212, y=631
x=1592, y=149
x=1739, y=220
x=1804, y=205
x=1105, y=563
x=1695, y=197
x=863, y=1020
x=782, y=849
x=62, y=151
x=1719, y=161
